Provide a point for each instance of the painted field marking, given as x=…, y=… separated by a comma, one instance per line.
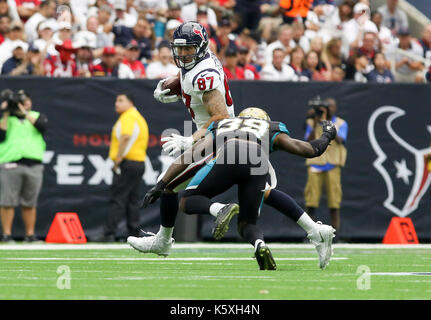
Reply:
x=201, y=245
x=162, y=259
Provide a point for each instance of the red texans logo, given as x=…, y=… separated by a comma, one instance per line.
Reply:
x=199, y=33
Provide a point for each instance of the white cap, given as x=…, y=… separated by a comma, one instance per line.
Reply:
x=19, y=44
x=120, y=4
x=48, y=24
x=370, y=26
x=359, y=7
x=85, y=39
x=172, y=24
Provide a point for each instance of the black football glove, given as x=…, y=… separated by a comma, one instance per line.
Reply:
x=153, y=194
x=329, y=129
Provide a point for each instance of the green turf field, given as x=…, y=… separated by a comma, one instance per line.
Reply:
x=212, y=271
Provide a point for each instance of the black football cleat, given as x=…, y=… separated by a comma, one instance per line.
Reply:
x=264, y=258
x=221, y=224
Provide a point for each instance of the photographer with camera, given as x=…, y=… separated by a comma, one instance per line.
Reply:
x=22, y=147
x=326, y=169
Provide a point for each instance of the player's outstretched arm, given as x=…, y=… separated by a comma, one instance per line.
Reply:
x=305, y=149
x=191, y=155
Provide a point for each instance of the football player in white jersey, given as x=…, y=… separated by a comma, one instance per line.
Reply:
x=205, y=92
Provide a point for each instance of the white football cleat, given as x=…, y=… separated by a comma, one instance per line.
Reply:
x=321, y=237
x=152, y=244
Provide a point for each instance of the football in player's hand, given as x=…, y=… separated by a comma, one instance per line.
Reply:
x=174, y=84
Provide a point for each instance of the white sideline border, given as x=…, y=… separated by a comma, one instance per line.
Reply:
x=203, y=245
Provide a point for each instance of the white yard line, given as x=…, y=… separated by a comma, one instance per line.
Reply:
x=159, y=259
x=201, y=245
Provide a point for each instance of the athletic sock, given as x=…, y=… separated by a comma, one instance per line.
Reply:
x=166, y=232
x=215, y=208
x=197, y=205
x=258, y=243
x=168, y=209
x=285, y=204
x=306, y=222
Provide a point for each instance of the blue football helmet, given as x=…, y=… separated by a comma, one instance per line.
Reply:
x=189, y=34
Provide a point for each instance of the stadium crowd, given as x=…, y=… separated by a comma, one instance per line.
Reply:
x=320, y=40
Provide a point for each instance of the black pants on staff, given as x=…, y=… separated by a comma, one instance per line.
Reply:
x=125, y=198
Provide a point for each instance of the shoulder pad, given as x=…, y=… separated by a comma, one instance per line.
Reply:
x=206, y=80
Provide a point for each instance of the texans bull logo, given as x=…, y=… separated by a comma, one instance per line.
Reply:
x=403, y=168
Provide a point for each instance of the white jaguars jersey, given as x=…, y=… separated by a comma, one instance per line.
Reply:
x=207, y=75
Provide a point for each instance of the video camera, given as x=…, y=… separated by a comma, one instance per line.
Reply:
x=13, y=98
x=316, y=103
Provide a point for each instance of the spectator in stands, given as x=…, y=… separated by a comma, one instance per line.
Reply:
x=230, y=67
x=359, y=67
x=244, y=58
x=202, y=18
x=45, y=41
x=174, y=11
x=393, y=18
x=15, y=33
x=64, y=64
x=355, y=28
x=331, y=54
x=326, y=169
x=22, y=147
x=407, y=69
x=425, y=41
x=19, y=49
x=171, y=25
x=297, y=61
x=46, y=12
x=128, y=148
x=380, y=73
x=338, y=73
x=131, y=56
x=313, y=67
x=64, y=32
x=333, y=27
x=295, y=10
x=277, y=70
x=24, y=62
x=121, y=16
x=298, y=36
x=8, y=8
x=163, y=68
x=384, y=33
x=110, y=66
x=141, y=32
x=84, y=57
x=284, y=42
x=221, y=41
x=4, y=27
x=27, y=8
x=189, y=12
x=103, y=39
x=316, y=44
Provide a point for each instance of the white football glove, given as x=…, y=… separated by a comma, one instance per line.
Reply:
x=176, y=144
x=162, y=95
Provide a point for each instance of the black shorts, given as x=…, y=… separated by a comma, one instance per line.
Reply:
x=240, y=163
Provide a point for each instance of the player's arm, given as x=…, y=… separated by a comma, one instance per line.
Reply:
x=305, y=149
x=193, y=154
x=215, y=105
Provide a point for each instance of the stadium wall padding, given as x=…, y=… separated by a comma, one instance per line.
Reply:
x=385, y=175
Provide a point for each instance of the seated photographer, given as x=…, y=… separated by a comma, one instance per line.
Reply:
x=326, y=169
x=22, y=147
